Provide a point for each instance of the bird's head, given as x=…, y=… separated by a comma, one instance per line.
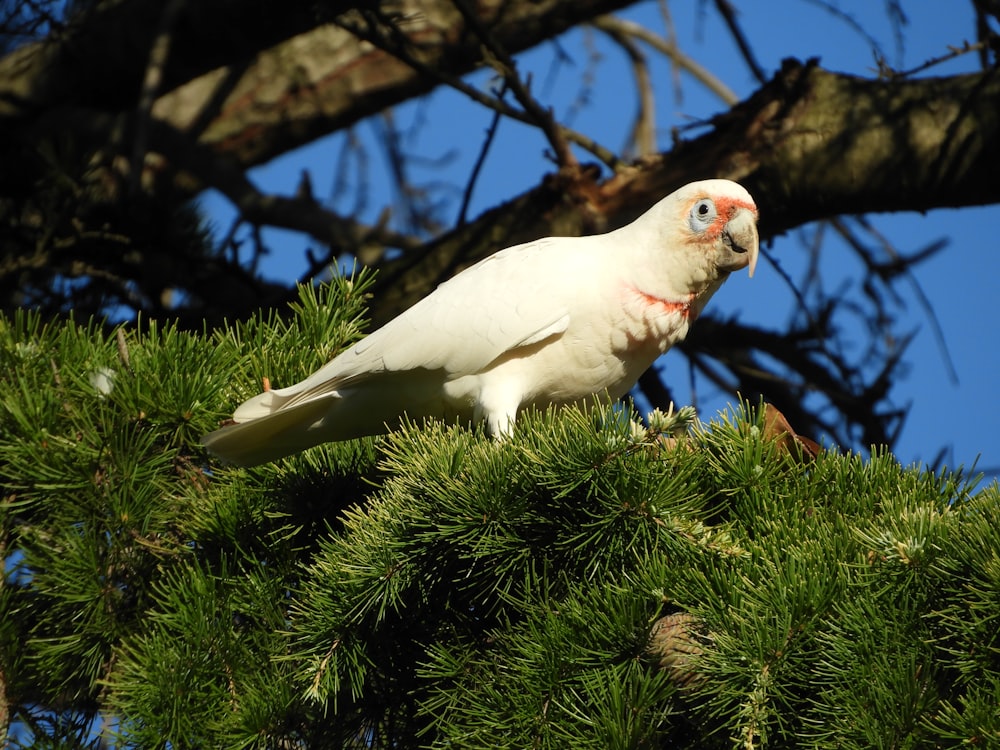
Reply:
x=698, y=235
x=720, y=222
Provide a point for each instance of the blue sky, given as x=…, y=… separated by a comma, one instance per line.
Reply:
x=959, y=283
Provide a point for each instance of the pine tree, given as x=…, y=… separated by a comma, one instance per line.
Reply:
x=592, y=582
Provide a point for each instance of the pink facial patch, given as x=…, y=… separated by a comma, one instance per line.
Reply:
x=725, y=208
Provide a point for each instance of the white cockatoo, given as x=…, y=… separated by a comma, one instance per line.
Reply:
x=554, y=321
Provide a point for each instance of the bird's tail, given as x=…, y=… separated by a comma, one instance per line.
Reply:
x=272, y=435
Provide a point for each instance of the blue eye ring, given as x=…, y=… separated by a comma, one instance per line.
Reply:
x=702, y=214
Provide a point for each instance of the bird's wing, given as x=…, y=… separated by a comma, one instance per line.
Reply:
x=502, y=303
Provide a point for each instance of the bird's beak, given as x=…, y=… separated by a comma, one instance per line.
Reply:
x=741, y=241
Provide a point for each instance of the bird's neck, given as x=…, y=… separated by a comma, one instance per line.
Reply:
x=658, y=305
x=688, y=304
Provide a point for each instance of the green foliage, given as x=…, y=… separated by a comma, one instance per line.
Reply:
x=437, y=588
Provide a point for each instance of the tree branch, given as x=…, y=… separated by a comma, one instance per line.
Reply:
x=398, y=49
x=623, y=28
x=808, y=145
x=254, y=101
x=153, y=80
x=505, y=65
x=643, y=135
x=728, y=13
x=470, y=184
x=99, y=57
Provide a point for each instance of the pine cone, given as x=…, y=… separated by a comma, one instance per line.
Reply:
x=675, y=643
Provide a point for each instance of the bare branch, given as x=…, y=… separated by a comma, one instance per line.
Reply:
x=624, y=27
x=470, y=184
x=504, y=64
x=982, y=45
x=670, y=37
x=491, y=102
x=410, y=200
x=644, y=127
x=986, y=9
x=299, y=213
x=904, y=265
x=352, y=156
x=728, y=13
x=851, y=22
x=808, y=133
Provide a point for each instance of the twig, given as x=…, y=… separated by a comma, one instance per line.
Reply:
x=851, y=22
x=897, y=19
x=260, y=249
x=953, y=52
x=728, y=13
x=904, y=265
x=670, y=37
x=613, y=24
x=985, y=34
x=607, y=156
x=693, y=383
x=122, y=348
x=491, y=132
x=407, y=194
x=259, y=208
x=352, y=151
x=504, y=64
x=796, y=292
x=229, y=242
x=588, y=76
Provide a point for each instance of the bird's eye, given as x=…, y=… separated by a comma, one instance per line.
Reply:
x=702, y=214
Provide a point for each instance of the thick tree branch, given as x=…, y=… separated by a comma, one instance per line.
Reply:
x=808, y=145
x=99, y=58
x=258, y=102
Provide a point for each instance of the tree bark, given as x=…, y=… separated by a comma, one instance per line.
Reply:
x=97, y=60
x=264, y=101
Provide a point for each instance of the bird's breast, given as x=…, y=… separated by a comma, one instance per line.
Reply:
x=608, y=343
